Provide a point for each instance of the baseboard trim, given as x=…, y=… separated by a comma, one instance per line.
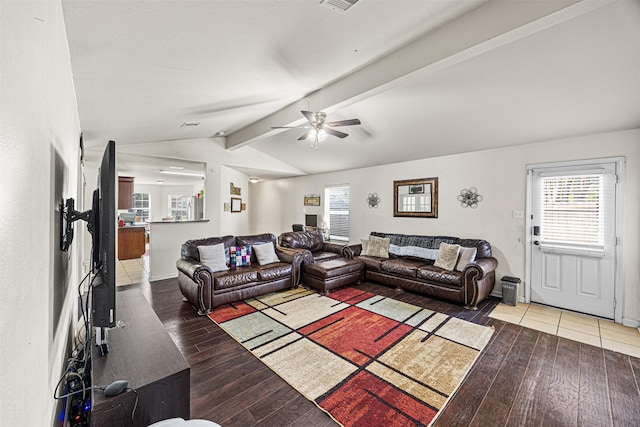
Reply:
x=162, y=277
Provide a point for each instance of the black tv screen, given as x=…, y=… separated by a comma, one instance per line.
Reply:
x=104, y=240
x=311, y=220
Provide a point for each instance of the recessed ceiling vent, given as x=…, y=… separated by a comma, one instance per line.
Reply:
x=338, y=5
x=189, y=124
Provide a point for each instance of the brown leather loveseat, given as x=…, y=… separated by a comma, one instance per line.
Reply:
x=205, y=288
x=410, y=261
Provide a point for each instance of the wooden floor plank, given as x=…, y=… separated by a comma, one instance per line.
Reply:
x=595, y=405
x=529, y=404
x=563, y=395
x=495, y=408
x=259, y=392
x=623, y=389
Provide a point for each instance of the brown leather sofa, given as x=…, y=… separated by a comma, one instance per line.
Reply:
x=410, y=266
x=312, y=246
x=205, y=289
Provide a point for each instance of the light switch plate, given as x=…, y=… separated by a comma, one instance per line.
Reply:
x=518, y=214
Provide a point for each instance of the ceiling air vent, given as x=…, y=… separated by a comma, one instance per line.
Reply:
x=338, y=5
x=189, y=124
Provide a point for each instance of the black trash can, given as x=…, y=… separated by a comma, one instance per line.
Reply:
x=510, y=290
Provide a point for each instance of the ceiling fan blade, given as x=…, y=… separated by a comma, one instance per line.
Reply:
x=304, y=136
x=310, y=116
x=336, y=132
x=349, y=122
x=290, y=127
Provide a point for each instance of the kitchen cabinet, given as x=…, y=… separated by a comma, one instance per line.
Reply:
x=125, y=191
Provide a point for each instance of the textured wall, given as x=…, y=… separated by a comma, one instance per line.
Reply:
x=39, y=164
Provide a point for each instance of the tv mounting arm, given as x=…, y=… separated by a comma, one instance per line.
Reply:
x=68, y=215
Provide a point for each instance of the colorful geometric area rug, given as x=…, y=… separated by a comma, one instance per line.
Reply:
x=365, y=359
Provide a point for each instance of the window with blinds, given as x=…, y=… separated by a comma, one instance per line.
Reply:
x=573, y=210
x=337, y=212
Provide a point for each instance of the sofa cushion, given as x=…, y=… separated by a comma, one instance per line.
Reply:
x=378, y=247
x=240, y=256
x=274, y=271
x=439, y=275
x=256, y=239
x=402, y=267
x=265, y=253
x=372, y=263
x=447, y=256
x=483, y=247
x=465, y=257
x=190, y=247
x=310, y=240
x=414, y=246
x=213, y=256
x=233, y=278
x=324, y=256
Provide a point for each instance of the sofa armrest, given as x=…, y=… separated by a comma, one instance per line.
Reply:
x=350, y=251
x=190, y=267
x=295, y=257
x=336, y=248
x=485, y=265
x=478, y=281
x=196, y=284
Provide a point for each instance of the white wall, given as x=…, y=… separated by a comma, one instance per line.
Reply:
x=39, y=163
x=234, y=223
x=500, y=177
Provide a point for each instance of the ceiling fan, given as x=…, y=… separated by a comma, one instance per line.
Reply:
x=319, y=129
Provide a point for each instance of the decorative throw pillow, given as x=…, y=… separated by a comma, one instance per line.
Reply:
x=447, y=256
x=378, y=247
x=213, y=257
x=466, y=257
x=365, y=244
x=265, y=253
x=240, y=255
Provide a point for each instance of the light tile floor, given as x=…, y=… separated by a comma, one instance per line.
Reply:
x=578, y=327
x=132, y=271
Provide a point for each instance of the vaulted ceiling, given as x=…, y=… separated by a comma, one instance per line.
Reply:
x=426, y=78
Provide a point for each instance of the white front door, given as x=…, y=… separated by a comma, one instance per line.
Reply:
x=573, y=256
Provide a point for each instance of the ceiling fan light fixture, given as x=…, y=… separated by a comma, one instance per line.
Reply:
x=317, y=134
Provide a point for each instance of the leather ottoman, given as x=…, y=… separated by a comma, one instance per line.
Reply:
x=333, y=273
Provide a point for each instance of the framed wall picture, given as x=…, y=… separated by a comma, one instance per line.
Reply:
x=312, y=200
x=416, y=198
x=236, y=204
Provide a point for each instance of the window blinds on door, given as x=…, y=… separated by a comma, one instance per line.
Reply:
x=573, y=210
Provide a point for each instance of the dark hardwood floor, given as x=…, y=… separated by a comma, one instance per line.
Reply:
x=522, y=378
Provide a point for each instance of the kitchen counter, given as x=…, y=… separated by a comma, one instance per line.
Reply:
x=166, y=242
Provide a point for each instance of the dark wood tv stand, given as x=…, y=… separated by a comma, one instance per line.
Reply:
x=143, y=353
